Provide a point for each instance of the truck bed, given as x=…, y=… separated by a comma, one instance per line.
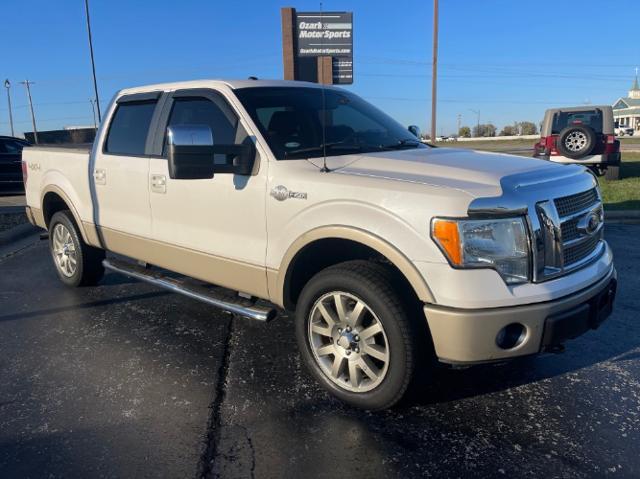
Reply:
x=72, y=147
x=66, y=167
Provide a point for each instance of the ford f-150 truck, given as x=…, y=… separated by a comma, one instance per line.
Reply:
x=260, y=196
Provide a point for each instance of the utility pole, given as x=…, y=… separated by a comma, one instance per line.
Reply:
x=93, y=65
x=93, y=107
x=459, y=120
x=477, y=112
x=434, y=73
x=28, y=84
x=7, y=85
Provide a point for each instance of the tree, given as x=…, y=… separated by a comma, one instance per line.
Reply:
x=464, y=132
x=528, y=128
x=509, y=130
x=484, y=129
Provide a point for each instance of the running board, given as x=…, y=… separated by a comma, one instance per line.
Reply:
x=194, y=291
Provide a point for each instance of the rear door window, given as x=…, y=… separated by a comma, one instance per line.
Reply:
x=129, y=128
x=590, y=118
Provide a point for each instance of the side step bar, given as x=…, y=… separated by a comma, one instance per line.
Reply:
x=247, y=310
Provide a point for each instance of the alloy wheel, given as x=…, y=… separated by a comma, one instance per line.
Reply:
x=64, y=251
x=348, y=341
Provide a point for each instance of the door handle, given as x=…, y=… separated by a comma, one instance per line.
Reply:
x=158, y=183
x=100, y=176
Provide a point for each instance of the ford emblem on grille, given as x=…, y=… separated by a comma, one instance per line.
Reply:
x=590, y=223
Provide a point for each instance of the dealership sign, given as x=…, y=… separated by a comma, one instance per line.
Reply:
x=321, y=34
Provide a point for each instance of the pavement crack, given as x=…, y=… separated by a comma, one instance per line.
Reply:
x=205, y=465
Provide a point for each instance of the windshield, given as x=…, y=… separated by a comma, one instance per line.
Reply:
x=290, y=119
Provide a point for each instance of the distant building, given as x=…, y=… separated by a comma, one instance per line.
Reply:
x=626, y=110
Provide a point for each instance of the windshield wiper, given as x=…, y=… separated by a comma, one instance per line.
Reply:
x=327, y=146
x=404, y=143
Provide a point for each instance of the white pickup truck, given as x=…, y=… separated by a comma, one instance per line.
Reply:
x=265, y=194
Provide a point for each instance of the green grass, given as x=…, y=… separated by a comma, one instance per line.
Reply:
x=623, y=194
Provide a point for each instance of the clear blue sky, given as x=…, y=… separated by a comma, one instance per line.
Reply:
x=508, y=59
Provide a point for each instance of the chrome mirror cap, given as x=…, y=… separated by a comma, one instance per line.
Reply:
x=189, y=135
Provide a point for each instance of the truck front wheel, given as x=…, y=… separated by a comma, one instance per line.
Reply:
x=77, y=263
x=354, y=334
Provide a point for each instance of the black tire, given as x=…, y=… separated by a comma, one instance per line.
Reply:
x=373, y=284
x=587, y=136
x=88, y=269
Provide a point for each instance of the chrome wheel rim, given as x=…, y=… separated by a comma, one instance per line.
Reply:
x=348, y=342
x=576, y=141
x=64, y=251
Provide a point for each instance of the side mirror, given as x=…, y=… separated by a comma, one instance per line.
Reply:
x=190, y=152
x=414, y=130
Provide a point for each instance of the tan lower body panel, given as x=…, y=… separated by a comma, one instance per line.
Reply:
x=469, y=336
x=223, y=272
x=35, y=217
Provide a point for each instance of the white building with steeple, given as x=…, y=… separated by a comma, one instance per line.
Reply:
x=626, y=110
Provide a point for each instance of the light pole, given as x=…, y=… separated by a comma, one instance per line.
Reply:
x=93, y=65
x=459, y=120
x=477, y=112
x=434, y=72
x=93, y=107
x=7, y=85
x=28, y=84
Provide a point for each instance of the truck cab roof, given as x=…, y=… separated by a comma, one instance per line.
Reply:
x=233, y=84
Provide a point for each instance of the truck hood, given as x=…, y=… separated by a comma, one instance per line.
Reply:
x=477, y=173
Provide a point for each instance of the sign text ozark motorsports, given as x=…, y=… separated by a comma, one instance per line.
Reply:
x=326, y=33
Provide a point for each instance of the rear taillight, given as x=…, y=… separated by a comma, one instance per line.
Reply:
x=25, y=172
x=549, y=143
x=611, y=144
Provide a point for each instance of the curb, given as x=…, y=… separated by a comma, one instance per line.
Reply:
x=621, y=214
x=16, y=233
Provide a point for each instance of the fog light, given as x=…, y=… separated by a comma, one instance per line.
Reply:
x=511, y=336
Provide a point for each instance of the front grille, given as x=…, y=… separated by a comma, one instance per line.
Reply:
x=570, y=230
x=564, y=247
x=580, y=251
x=568, y=205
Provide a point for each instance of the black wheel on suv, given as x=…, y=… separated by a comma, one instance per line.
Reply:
x=77, y=263
x=576, y=141
x=355, y=335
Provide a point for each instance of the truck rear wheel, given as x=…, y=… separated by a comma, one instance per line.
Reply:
x=354, y=334
x=77, y=263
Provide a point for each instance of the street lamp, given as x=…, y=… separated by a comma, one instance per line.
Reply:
x=477, y=112
x=434, y=71
x=7, y=85
x=93, y=64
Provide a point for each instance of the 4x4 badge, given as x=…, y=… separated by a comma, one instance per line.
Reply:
x=281, y=193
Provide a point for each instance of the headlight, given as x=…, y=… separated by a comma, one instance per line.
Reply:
x=500, y=244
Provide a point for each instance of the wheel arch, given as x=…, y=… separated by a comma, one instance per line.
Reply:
x=54, y=199
x=326, y=246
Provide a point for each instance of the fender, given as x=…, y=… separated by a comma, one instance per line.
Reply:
x=86, y=235
x=395, y=256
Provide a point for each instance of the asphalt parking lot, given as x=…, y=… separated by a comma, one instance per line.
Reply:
x=124, y=380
